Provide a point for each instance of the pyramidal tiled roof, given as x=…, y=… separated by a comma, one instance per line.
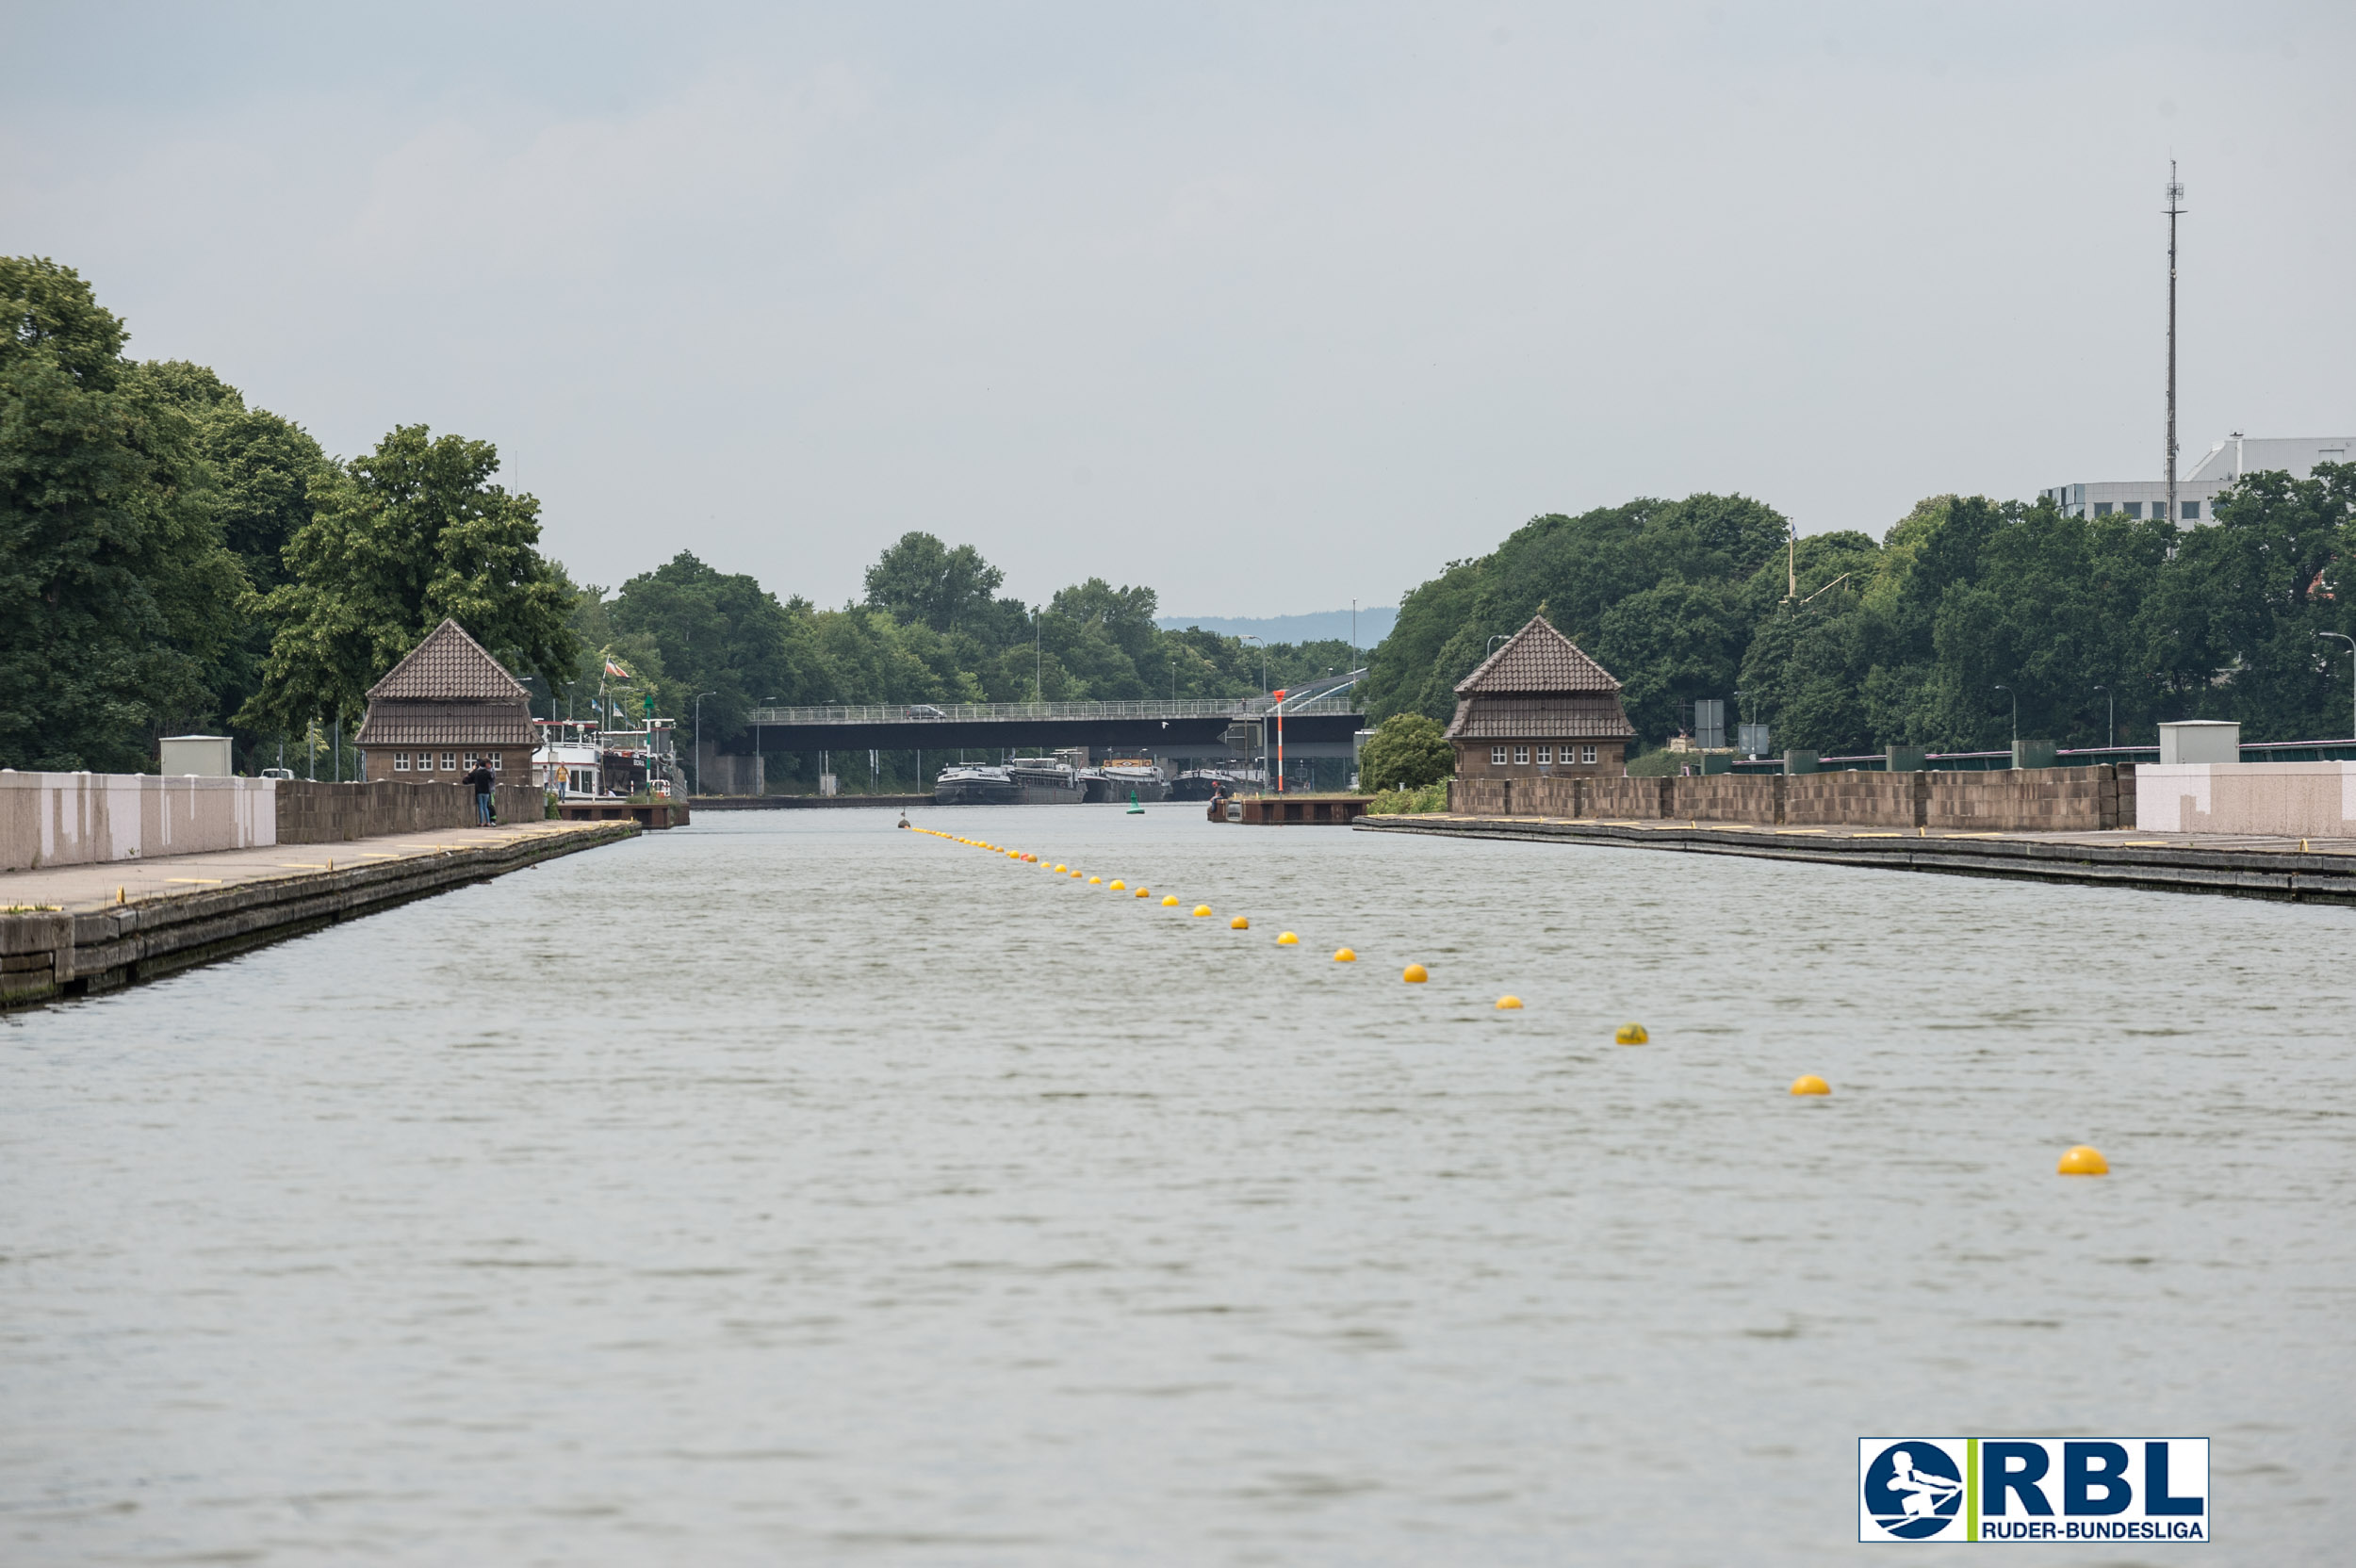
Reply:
x=449, y=665
x=1536, y=659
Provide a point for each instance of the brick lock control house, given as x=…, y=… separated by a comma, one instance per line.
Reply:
x=1538, y=707
x=441, y=709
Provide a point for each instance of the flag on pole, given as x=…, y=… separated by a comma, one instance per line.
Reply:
x=616, y=671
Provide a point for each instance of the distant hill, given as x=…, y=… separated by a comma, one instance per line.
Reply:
x=1373, y=626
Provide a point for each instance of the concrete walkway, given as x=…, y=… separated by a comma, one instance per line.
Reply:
x=2124, y=838
x=90, y=887
x=2318, y=870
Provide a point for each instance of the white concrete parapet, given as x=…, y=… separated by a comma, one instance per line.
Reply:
x=2291, y=800
x=72, y=819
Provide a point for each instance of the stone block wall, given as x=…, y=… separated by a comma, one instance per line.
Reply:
x=310, y=813
x=1856, y=799
x=2026, y=800
x=2037, y=800
x=1636, y=799
x=1726, y=798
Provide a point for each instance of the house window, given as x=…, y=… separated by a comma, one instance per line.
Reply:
x=1545, y=755
x=400, y=762
x=1497, y=757
x=1521, y=757
x=2192, y=511
x=2135, y=509
x=2102, y=509
x=1587, y=754
x=498, y=761
x=450, y=762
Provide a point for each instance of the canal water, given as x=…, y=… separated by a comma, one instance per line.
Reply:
x=793, y=1189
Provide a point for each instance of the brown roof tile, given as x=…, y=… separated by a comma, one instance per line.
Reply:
x=393, y=722
x=1566, y=718
x=1537, y=659
x=449, y=664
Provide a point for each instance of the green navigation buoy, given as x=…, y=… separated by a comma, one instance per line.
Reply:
x=1134, y=810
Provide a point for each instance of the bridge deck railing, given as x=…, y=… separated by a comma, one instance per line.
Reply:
x=968, y=712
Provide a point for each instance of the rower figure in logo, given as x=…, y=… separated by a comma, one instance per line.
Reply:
x=1921, y=1493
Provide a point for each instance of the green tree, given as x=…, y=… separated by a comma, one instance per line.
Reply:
x=921, y=580
x=399, y=539
x=262, y=470
x=1407, y=751
x=724, y=634
x=117, y=598
x=2230, y=630
x=1690, y=555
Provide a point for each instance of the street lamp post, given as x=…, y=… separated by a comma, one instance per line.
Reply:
x=1255, y=637
x=2110, y=725
x=761, y=769
x=2351, y=667
x=2016, y=720
x=699, y=739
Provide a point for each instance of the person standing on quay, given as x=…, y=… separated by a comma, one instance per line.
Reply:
x=483, y=781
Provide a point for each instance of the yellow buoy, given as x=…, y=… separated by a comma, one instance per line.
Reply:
x=1239, y=923
x=1116, y=884
x=1202, y=908
x=1288, y=939
x=1509, y=1003
x=1807, y=1082
x=1631, y=1034
x=1145, y=893
x=1094, y=881
x=1060, y=866
x=1344, y=955
x=1414, y=975
x=2083, y=1160
x=1075, y=876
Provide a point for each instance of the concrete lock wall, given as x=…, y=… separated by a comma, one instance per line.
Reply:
x=2037, y=800
x=2292, y=800
x=74, y=819
x=310, y=813
x=1852, y=799
x=1726, y=798
x=2048, y=800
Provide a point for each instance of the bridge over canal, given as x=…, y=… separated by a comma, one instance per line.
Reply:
x=1318, y=721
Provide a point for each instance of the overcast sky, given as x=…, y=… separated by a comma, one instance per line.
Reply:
x=1267, y=305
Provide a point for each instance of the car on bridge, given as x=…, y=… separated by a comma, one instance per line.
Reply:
x=925, y=711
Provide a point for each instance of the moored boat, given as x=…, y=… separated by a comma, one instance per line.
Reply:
x=974, y=785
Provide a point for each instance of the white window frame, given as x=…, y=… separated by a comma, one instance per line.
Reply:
x=450, y=762
x=1521, y=757
x=400, y=762
x=1546, y=756
x=1497, y=757
x=1587, y=754
x=499, y=762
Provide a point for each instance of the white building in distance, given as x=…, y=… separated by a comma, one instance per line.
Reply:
x=2197, y=491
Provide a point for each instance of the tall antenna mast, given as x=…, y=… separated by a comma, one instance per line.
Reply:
x=2175, y=205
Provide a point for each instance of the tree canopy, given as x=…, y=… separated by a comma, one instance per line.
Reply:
x=399, y=539
x=1926, y=636
x=117, y=600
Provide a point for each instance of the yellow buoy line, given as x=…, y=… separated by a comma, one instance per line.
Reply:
x=2080, y=1160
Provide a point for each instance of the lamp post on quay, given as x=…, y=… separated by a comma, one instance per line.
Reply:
x=2110, y=725
x=699, y=739
x=2351, y=665
x=2016, y=717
